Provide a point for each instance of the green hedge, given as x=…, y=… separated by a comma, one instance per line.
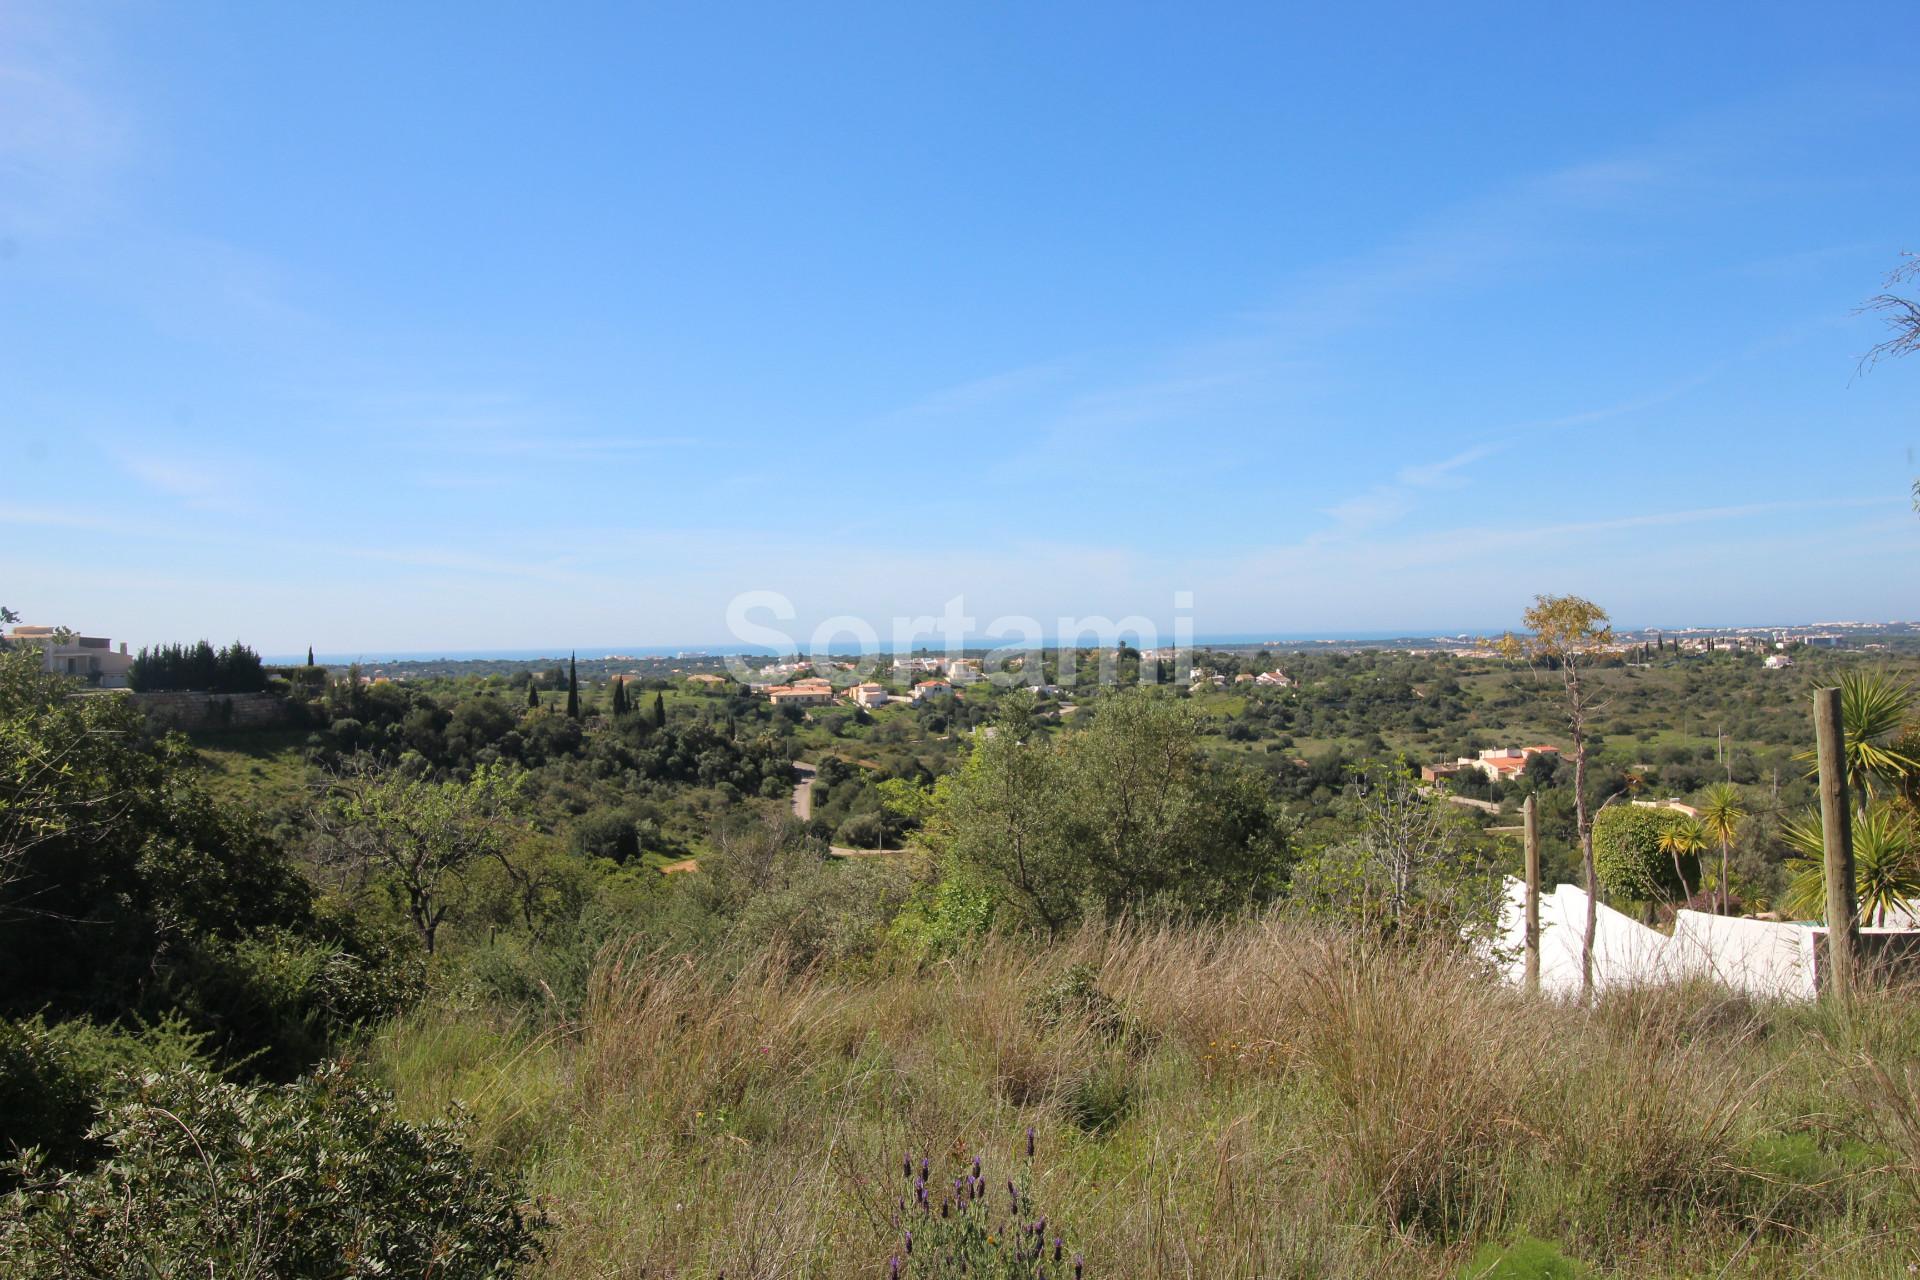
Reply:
x=1628, y=858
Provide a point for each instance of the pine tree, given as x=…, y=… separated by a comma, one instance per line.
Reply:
x=573, y=688
x=659, y=710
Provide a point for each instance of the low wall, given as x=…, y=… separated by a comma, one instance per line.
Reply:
x=194, y=711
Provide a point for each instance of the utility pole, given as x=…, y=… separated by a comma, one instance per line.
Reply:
x=1836, y=827
x=1530, y=818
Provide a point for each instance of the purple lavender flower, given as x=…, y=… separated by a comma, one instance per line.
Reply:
x=909, y=1244
x=906, y=1164
x=976, y=1166
x=1077, y=1260
x=893, y=1267
x=1058, y=1245
x=1029, y=1142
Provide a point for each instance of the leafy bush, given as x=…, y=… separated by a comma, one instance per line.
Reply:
x=863, y=831
x=1629, y=860
x=606, y=833
x=314, y=1179
x=53, y=1077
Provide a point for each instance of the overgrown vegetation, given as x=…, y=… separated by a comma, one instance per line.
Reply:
x=1236, y=992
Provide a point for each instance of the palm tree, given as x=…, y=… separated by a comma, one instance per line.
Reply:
x=1683, y=840
x=1886, y=864
x=1873, y=708
x=1721, y=813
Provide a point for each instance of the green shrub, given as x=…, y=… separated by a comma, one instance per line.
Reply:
x=606, y=833
x=1075, y=996
x=314, y=1179
x=53, y=1078
x=1629, y=860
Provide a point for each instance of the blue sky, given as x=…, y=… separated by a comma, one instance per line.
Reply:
x=456, y=327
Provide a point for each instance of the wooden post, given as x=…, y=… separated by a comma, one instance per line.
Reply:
x=1836, y=827
x=1530, y=817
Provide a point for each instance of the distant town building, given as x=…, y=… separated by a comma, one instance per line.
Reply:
x=931, y=689
x=91, y=658
x=801, y=695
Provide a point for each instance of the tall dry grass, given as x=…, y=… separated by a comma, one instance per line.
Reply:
x=1253, y=1100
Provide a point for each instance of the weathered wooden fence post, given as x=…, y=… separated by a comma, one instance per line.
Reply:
x=1530, y=817
x=1836, y=827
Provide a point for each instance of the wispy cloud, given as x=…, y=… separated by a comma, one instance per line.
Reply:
x=59, y=139
x=228, y=485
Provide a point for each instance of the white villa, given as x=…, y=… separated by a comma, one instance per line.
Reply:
x=868, y=695
x=92, y=658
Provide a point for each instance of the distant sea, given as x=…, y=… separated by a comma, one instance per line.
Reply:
x=599, y=651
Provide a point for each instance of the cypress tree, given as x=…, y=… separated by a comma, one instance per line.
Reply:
x=573, y=688
x=309, y=655
x=533, y=694
x=619, y=697
x=659, y=710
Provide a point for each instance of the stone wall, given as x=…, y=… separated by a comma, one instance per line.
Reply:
x=194, y=711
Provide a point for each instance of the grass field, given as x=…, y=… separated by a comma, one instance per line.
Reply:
x=1249, y=1101
x=256, y=768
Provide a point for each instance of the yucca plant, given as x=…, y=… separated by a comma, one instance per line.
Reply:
x=1683, y=840
x=1886, y=864
x=1721, y=813
x=1874, y=706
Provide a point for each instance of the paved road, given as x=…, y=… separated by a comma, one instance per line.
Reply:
x=803, y=810
x=803, y=791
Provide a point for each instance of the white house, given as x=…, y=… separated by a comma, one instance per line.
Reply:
x=931, y=689
x=91, y=658
x=1497, y=764
x=868, y=695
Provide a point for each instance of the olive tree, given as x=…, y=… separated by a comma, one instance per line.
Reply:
x=423, y=838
